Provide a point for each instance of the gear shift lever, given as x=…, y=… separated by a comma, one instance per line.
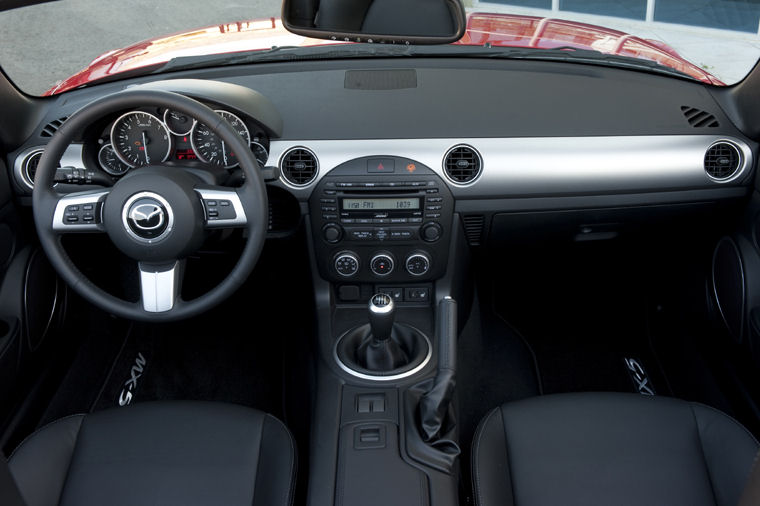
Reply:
x=381, y=315
x=380, y=352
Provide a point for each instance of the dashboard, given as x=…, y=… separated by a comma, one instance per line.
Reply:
x=493, y=141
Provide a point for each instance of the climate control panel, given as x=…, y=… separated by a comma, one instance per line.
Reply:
x=379, y=219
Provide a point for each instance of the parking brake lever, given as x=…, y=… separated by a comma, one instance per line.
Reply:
x=434, y=404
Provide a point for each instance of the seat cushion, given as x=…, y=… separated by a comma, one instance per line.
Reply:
x=606, y=448
x=168, y=453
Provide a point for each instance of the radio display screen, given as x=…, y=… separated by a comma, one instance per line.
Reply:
x=380, y=204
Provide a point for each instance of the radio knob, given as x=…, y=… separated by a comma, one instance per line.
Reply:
x=431, y=231
x=346, y=263
x=381, y=264
x=417, y=264
x=332, y=233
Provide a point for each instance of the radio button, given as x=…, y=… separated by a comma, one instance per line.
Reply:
x=415, y=220
x=361, y=234
x=399, y=220
x=381, y=221
x=381, y=234
x=431, y=231
x=332, y=233
x=364, y=221
x=329, y=216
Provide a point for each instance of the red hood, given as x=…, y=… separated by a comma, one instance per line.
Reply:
x=496, y=29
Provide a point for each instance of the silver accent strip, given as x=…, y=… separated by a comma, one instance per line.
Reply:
x=72, y=157
x=394, y=377
x=240, y=218
x=169, y=218
x=542, y=165
x=158, y=288
x=73, y=199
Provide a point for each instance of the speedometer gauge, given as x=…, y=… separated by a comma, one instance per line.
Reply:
x=140, y=138
x=212, y=149
x=111, y=163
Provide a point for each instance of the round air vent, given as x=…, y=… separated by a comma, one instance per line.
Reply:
x=462, y=164
x=29, y=167
x=723, y=161
x=299, y=166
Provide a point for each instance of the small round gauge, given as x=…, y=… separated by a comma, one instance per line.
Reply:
x=111, y=163
x=211, y=149
x=260, y=152
x=140, y=138
x=178, y=123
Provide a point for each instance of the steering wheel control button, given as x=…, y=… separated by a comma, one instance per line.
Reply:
x=219, y=210
x=346, y=264
x=381, y=165
x=147, y=217
x=417, y=264
x=75, y=214
x=381, y=264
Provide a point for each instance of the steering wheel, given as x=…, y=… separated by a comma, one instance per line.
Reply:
x=155, y=215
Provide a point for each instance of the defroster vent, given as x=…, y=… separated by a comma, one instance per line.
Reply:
x=722, y=160
x=52, y=127
x=698, y=118
x=299, y=166
x=462, y=164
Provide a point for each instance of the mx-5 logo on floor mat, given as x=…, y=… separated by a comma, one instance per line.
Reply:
x=131, y=384
x=639, y=377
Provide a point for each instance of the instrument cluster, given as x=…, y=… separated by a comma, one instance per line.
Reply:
x=148, y=137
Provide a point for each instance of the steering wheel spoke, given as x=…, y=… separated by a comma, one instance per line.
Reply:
x=223, y=207
x=160, y=285
x=80, y=212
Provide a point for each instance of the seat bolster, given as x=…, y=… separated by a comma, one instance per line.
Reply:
x=276, y=472
x=490, y=467
x=40, y=463
x=729, y=451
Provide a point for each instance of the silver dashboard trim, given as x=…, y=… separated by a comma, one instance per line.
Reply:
x=542, y=166
x=73, y=199
x=159, y=288
x=240, y=218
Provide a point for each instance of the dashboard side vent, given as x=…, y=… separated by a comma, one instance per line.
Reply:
x=698, y=118
x=722, y=160
x=29, y=167
x=473, y=228
x=462, y=164
x=299, y=166
x=52, y=127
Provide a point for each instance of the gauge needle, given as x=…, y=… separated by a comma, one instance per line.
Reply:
x=224, y=153
x=145, y=148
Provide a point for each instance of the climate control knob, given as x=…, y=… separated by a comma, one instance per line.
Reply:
x=346, y=263
x=382, y=264
x=332, y=233
x=417, y=264
x=431, y=231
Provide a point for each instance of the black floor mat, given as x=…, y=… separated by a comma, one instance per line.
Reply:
x=200, y=360
x=583, y=312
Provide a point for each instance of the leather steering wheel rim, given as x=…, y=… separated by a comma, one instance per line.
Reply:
x=252, y=195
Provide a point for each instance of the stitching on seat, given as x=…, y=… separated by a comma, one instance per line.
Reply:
x=729, y=417
x=27, y=438
x=506, y=456
x=702, y=452
x=473, y=463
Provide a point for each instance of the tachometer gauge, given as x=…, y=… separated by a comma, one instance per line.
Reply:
x=178, y=123
x=212, y=149
x=111, y=163
x=260, y=152
x=140, y=138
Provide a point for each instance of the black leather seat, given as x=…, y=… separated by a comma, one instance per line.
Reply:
x=610, y=449
x=167, y=453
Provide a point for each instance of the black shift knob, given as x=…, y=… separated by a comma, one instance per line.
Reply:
x=381, y=316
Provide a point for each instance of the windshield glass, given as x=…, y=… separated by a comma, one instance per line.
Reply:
x=57, y=46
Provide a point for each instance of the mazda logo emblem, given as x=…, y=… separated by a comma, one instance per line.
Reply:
x=148, y=216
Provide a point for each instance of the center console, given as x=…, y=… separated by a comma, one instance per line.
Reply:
x=384, y=242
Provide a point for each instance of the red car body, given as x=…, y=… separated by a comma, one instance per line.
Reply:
x=503, y=30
